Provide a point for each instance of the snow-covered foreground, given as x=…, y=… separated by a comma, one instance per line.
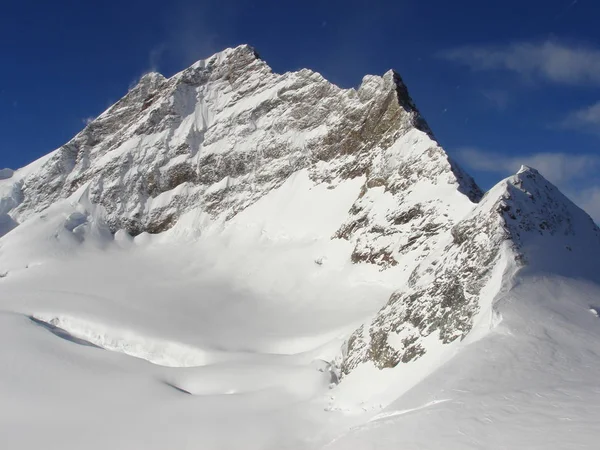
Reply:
x=231, y=338
x=254, y=366
x=174, y=342
x=160, y=345
x=531, y=384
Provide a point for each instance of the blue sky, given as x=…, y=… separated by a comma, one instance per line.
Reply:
x=500, y=82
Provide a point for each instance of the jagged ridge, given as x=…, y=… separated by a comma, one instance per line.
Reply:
x=224, y=132
x=526, y=216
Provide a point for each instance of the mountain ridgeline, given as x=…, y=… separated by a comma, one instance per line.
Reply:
x=224, y=133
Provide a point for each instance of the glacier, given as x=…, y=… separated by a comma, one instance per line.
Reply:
x=234, y=258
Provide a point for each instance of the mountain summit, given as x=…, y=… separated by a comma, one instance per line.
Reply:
x=271, y=242
x=164, y=148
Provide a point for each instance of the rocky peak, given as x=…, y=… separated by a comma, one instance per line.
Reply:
x=524, y=222
x=394, y=95
x=230, y=64
x=243, y=52
x=169, y=145
x=392, y=77
x=150, y=81
x=529, y=203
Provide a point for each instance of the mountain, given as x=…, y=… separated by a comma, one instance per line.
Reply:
x=272, y=251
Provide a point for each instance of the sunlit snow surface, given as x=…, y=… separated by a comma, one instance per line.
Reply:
x=531, y=384
x=179, y=341
x=230, y=339
x=228, y=331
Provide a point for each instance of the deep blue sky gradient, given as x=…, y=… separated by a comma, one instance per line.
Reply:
x=65, y=61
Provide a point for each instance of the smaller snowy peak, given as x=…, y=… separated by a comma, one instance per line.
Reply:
x=525, y=169
x=523, y=224
x=550, y=233
x=533, y=204
x=5, y=174
x=527, y=205
x=546, y=231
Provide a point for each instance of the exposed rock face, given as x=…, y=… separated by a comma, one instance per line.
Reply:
x=442, y=295
x=225, y=131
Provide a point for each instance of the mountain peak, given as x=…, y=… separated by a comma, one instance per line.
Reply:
x=230, y=55
x=527, y=169
x=268, y=172
x=164, y=148
x=152, y=78
x=394, y=81
x=537, y=203
x=241, y=51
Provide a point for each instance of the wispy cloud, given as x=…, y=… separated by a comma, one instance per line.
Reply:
x=588, y=199
x=555, y=61
x=195, y=29
x=585, y=119
x=154, y=57
x=87, y=120
x=497, y=98
x=576, y=175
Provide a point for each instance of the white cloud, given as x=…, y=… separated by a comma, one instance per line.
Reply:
x=587, y=119
x=87, y=120
x=551, y=60
x=588, y=199
x=154, y=57
x=557, y=167
x=576, y=175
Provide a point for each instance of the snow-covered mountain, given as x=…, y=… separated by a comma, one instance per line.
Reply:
x=287, y=255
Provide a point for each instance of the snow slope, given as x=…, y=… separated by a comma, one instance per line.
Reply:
x=532, y=383
x=232, y=258
x=175, y=344
x=526, y=376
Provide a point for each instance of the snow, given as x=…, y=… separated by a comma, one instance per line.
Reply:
x=244, y=356
x=531, y=384
x=230, y=329
x=300, y=210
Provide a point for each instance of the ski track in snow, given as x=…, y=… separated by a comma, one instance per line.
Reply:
x=388, y=414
